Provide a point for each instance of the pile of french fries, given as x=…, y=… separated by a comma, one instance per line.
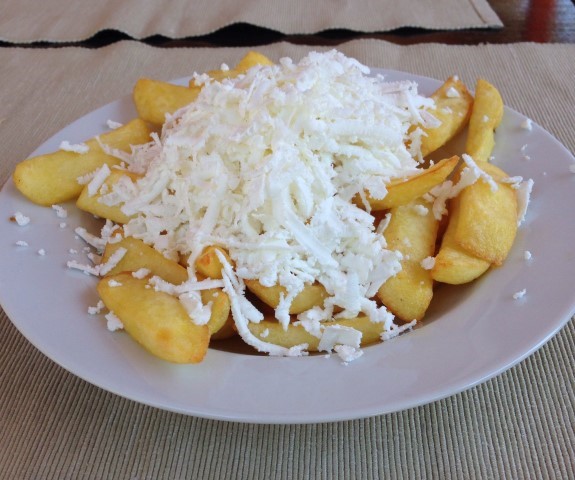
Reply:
x=477, y=232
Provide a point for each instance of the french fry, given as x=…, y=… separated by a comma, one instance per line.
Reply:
x=251, y=59
x=156, y=320
x=486, y=115
x=153, y=99
x=140, y=255
x=453, y=264
x=453, y=107
x=91, y=203
x=53, y=178
x=220, y=308
x=297, y=335
x=413, y=232
x=208, y=263
x=487, y=222
x=401, y=192
x=228, y=330
x=311, y=296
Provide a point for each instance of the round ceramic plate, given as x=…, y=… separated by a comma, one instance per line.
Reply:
x=470, y=334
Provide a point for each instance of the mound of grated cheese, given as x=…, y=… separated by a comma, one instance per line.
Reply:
x=267, y=165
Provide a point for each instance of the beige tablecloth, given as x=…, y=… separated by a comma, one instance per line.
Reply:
x=54, y=425
x=61, y=20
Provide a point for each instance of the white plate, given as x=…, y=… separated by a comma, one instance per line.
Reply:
x=471, y=333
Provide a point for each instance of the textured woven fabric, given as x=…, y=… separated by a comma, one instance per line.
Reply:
x=60, y=20
x=55, y=425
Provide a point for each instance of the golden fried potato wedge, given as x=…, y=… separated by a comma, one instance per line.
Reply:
x=53, y=178
x=220, y=308
x=208, y=263
x=91, y=203
x=486, y=115
x=228, y=330
x=153, y=99
x=140, y=255
x=311, y=296
x=412, y=230
x=297, y=335
x=452, y=107
x=453, y=264
x=403, y=191
x=251, y=59
x=156, y=320
x=487, y=222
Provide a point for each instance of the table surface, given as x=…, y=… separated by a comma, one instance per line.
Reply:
x=541, y=21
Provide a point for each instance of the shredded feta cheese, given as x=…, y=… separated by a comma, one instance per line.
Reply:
x=21, y=219
x=452, y=92
x=428, y=263
x=61, y=212
x=141, y=273
x=112, y=125
x=113, y=322
x=22, y=243
x=97, y=309
x=283, y=151
x=80, y=148
x=527, y=124
x=527, y=255
x=520, y=294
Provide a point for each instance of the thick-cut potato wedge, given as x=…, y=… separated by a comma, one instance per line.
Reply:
x=486, y=115
x=220, y=308
x=53, y=178
x=297, y=335
x=487, y=222
x=91, y=203
x=156, y=320
x=153, y=99
x=311, y=296
x=140, y=255
x=251, y=59
x=401, y=192
x=228, y=330
x=453, y=264
x=453, y=107
x=408, y=294
x=208, y=263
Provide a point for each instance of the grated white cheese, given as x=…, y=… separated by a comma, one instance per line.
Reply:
x=98, y=180
x=527, y=124
x=61, y=212
x=520, y=294
x=428, y=263
x=141, y=273
x=523, y=198
x=283, y=151
x=395, y=330
x=21, y=243
x=21, y=219
x=80, y=148
x=97, y=309
x=527, y=255
x=348, y=354
x=41, y=252
x=114, y=283
x=452, y=92
x=112, y=125
x=113, y=322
